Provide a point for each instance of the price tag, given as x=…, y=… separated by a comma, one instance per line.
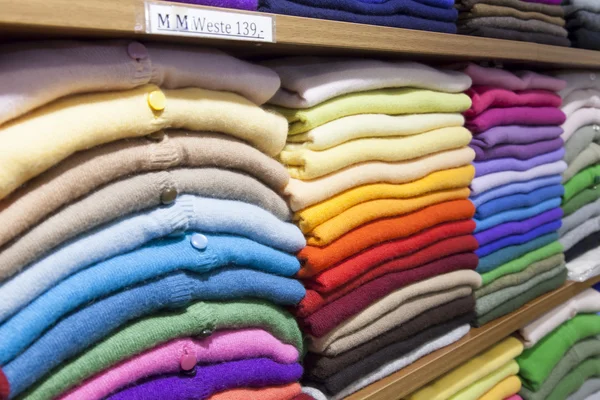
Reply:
x=162, y=19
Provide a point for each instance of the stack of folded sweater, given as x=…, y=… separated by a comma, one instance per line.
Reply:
x=581, y=205
x=583, y=23
x=539, y=21
x=380, y=172
x=250, y=5
x=563, y=358
x=491, y=375
x=515, y=121
x=146, y=249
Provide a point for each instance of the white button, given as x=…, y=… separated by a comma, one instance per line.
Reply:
x=199, y=241
x=593, y=76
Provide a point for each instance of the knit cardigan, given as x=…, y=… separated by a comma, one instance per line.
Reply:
x=306, y=193
x=574, y=380
x=576, y=80
x=149, y=332
x=255, y=228
x=504, y=389
x=485, y=97
x=491, y=181
x=507, y=254
x=519, y=80
x=584, y=179
x=519, y=5
x=589, y=390
x=308, y=81
x=41, y=139
x=83, y=328
x=580, y=118
x=515, y=116
x=470, y=372
x=515, y=164
x=518, y=201
x=579, y=217
x=582, y=138
x=583, y=198
x=588, y=157
x=519, y=151
x=167, y=358
x=517, y=214
x=484, y=385
x=514, y=134
x=65, y=68
x=87, y=171
x=580, y=98
x=514, y=188
x=513, y=240
x=573, y=237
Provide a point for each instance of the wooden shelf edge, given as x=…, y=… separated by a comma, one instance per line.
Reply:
x=432, y=366
x=125, y=18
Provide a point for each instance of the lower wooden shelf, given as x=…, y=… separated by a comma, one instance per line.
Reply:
x=430, y=367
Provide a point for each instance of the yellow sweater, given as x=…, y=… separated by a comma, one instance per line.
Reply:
x=471, y=371
x=485, y=384
x=440, y=180
x=37, y=141
x=504, y=389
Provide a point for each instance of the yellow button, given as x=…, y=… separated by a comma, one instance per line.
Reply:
x=157, y=100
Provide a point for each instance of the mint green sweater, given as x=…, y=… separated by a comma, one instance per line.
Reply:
x=572, y=382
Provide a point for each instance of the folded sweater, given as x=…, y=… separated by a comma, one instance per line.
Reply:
x=576, y=79
x=514, y=134
x=574, y=380
x=573, y=237
x=579, y=217
x=308, y=81
x=250, y=5
x=486, y=97
x=580, y=98
x=587, y=391
x=512, y=240
x=571, y=6
x=489, y=10
x=509, y=34
x=514, y=24
x=517, y=214
x=584, y=19
x=514, y=164
x=588, y=157
x=515, y=116
x=583, y=246
x=518, y=151
x=41, y=139
x=483, y=386
x=519, y=80
x=581, y=117
x=503, y=390
x=586, y=264
x=581, y=181
x=491, y=181
x=514, y=188
x=552, y=10
x=519, y=200
x=584, y=197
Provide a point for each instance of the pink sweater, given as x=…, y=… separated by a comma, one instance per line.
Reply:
x=171, y=357
x=521, y=80
x=485, y=97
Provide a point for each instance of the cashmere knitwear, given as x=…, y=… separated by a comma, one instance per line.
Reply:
x=581, y=117
x=585, y=38
x=291, y=391
x=439, y=180
x=522, y=276
x=383, y=101
x=373, y=125
x=519, y=264
x=250, y=5
x=590, y=390
x=308, y=81
x=302, y=194
x=358, y=264
x=510, y=304
x=319, y=367
x=151, y=331
x=520, y=80
x=514, y=164
x=145, y=193
x=584, y=179
x=579, y=217
x=576, y=79
x=586, y=196
x=88, y=170
x=128, y=235
x=515, y=116
x=514, y=134
x=512, y=240
x=519, y=5
x=398, y=303
x=511, y=34
x=530, y=199
x=517, y=214
x=519, y=151
x=574, y=380
x=166, y=359
x=504, y=389
x=517, y=227
x=507, y=254
x=491, y=181
x=574, y=236
x=537, y=362
x=71, y=67
x=35, y=142
x=169, y=292
x=514, y=188
x=511, y=23
x=489, y=10
x=309, y=164
x=203, y=381
x=571, y=6
x=482, y=386
x=331, y=314
x=589, y=157
x=580, y=98
x=470, y=372
x=315, y=259
x=485, y=97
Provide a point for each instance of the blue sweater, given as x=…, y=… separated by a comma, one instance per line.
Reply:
x=516, y=214
x=519, y=200
x=80, y=330
x=514, y=188
x=518, y=239
x=159, y=258
x=507, y=254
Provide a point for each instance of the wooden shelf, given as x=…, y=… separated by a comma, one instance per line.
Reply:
x=126, y=18
x=477, y=340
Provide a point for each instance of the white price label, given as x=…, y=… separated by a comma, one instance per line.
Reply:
x=179, y=20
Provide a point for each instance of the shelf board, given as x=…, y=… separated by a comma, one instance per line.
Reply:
x=125, y=18
x=432, y=366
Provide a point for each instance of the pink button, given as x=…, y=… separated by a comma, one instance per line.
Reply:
x=187, y=362
x=137, y=50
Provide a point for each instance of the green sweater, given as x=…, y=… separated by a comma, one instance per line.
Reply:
x=576, y=355
x=583, y=180
x=581, y=199
x=519, y=264
x=148, y=332
x=537, y=362
x=572, y=382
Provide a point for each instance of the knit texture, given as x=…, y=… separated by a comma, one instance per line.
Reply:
x=580, y=98
x=518, y=239
x=515, y=116
x=519, y=80
x=485, y=384
x=573, y=237
x=512, y=134
x=518, y=214
x=588, y=157
x=580, y=118
x=519, y=5
x=491, y=181
x=485, y=97
x=581, y=199
x=584, y=179
x=575, y=379
x=514, y=164
x=589, y=390
x=518, y=201
x=581, y=139
x=489, y=10
x=514, y=188
x=518, y=151
x=507, y=254
x=291, y=391
x=511, y=34
x=579, y=217
x=504, y=389
x=588, y=243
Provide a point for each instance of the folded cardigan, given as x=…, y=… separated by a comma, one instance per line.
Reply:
x=484, y=385
x=574, y=236
x=41, y=139
x=294, y=7
x=331, y=314
x=512, y=240
x=394, y=101
x=320, y=366
x=585, y=213
x=589, y=242
x=576, y=80
x=478, y=367
x=291, y=391
x=126, y=238
x=203, y=381
x=373, y=125
x=571, y=6
x=305, y=193
x=574, y=380
x=581, y=181
x=491, y=181
x=509, y=34
x=581, y=139
x=316, y=259
x=89, y=170
x=586, y=196
x=518, y=151
x=585, y=39
x=149, y=332
x=551, y=10
x=581, y=117
x=580, y=98
x=66, y=68
x=519, y=80
x=307, y=164
x=517, y=214
x=519, y=200
x=488, y=10
x=515, y=164
x=584, y=19
x=403, y=304
x=486, y=97
x=517, y=227
x=514, y=188
x=439, y=180
x=308, y=81
x=504, y=390
x=514, y=134
x=588, y=157
x=515, y=116
x=513, y=24
x=588, y=390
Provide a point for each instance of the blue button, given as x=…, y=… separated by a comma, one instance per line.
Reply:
x=199, y=241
